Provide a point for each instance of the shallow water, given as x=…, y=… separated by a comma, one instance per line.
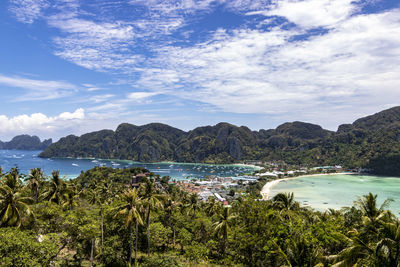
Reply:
x=337, y=191
x=69, y=167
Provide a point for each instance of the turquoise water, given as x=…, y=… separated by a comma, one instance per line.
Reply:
x=337, y=191
x=69, y=167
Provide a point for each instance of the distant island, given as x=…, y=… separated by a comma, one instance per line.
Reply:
x=370, y=143
x=26, y=142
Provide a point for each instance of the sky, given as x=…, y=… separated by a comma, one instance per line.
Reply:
x=76, y=66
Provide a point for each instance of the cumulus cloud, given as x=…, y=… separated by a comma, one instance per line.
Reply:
x=312, y=13
x=39, y=123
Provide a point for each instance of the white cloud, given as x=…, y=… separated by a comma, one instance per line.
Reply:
x=39, y=123
x=38, y=89
x=101, y=98
x=352, y=67
x=313, y=13
x=79, y=114
x=168, y=7
x=93, y=45
x=27, y=11
x=140, y=95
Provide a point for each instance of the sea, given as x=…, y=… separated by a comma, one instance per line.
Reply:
x=337, y=191
x=72, y=167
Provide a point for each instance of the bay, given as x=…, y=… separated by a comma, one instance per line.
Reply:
x=71, y=168
x=337, y=191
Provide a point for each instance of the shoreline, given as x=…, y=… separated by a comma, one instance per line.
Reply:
x=254, y=167
x=266, y=190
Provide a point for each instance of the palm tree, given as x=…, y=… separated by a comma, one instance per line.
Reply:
x=212, y=206
x=35, y=180
x=95, y=197
x=152, y=201
x=12, y=180
x=170, y=207
x=372, y=215
x=222, y=226
x=193, y=204
x=12, y=206
x=70, y=200
x=388, y=248
x=358, y=253
x=285, y=201
x=55, y=192
x=130, y=208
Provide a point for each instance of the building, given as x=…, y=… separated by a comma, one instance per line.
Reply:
x=137, y=179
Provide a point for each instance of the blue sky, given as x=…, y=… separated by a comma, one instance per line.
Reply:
x=70, y=66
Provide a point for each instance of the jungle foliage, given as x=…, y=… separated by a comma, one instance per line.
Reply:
x=98, y=219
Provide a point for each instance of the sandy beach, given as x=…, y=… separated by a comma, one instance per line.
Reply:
x=266, y=190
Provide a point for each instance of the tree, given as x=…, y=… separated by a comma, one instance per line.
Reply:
x=212, y=206
x=388, y=248
x=12, y=180
x=21, y=248
x=13, y=205
x=285, y=201
x=193, y=205
x=372, y=215
x=223, y=225
x=130, y=207
x=170, y=209
x=56, y=189
x=35, y=181
x=152, y=200
x=94, y=197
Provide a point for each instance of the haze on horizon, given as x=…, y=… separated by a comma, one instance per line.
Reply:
x=70, y=66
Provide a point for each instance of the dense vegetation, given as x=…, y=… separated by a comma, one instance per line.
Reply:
x=99, y=219
x=371, y=142
x=25, y=142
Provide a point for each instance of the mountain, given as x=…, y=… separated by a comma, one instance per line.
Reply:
x=222, y=143
x=371, y=142
x=148, y=143
x=26, y=142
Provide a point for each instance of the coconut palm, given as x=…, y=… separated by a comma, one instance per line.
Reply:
x=95, y=197
x=212, y=206
x=388, y=248
x=372, y=215
x=170, y=207
x=12, y=180
x=152, y=200
x=13, y=205
x=56, y=189
x=285, y=201
x=35, y=181
x=70, y=200
x=359, y=252
x=193, y=205
x=130, y=208
x=222, y=226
